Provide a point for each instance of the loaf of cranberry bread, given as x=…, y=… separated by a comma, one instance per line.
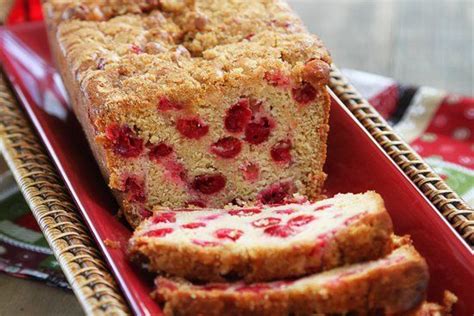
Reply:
x=195, y=102
x=264, y=243
x=387, y=286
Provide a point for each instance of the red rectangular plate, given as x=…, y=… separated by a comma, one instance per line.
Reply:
x=356, y=163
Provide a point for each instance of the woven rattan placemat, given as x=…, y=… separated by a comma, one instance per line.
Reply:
x=451, y=206
x=55, y=211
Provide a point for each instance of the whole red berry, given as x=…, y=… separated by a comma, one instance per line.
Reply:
x=250, y=171
x=145, y=213
x=301, y=220
x=279, y=231
x=227, y=147
x=194, y=225
x=158, y=151
x=281, y=151
x=124, y=141
x=275, y=193
x=277, y=78
x=193, y=128
x=165, y=104
x=135, y=190
x=237, y=117
x=164, y=217
x=209, y=183
x=258, y=131
x=159, y=232
x=229, y=233
x=304, y=94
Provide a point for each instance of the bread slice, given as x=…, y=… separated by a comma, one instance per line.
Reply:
x=391, y=285
x=264, y=243
x=203, y=102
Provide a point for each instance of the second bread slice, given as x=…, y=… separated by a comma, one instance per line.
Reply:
x=264, y=243
x=393, y=285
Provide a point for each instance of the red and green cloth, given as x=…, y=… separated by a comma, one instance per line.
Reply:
x=24, y=251
x=437, y=124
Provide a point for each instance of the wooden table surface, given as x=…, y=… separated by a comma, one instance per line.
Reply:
x=427, y=42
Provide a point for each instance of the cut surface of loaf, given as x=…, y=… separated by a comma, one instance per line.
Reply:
x=264, y=243
x=204, y=102
x=391, y=285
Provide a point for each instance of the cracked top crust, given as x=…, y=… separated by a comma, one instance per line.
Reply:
x=198, y=44
x=124, y=55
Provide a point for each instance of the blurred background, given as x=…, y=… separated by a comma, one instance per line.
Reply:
x=421, y=42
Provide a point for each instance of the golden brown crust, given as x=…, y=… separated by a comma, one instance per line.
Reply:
x=391, y=285
x=118, y=58
x=93, y=10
